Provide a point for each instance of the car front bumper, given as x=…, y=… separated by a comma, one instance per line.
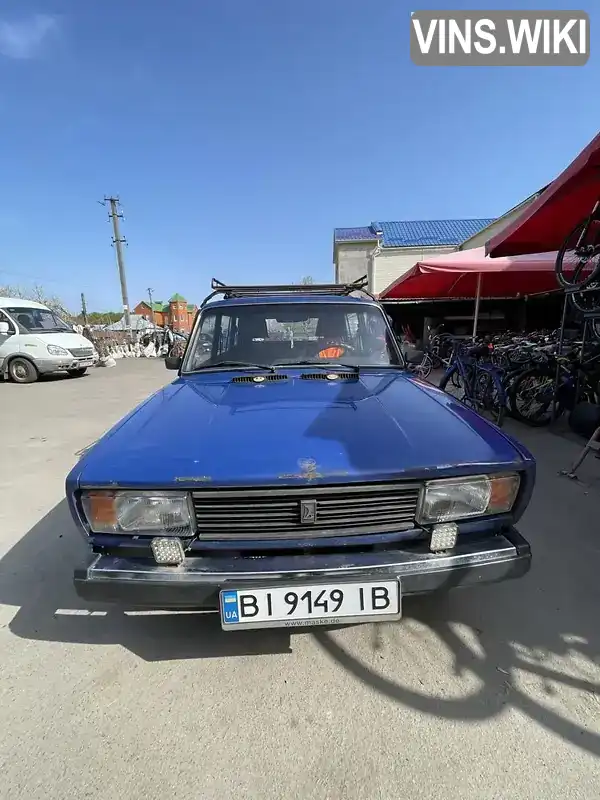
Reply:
x=46, y=366
x=196, y=583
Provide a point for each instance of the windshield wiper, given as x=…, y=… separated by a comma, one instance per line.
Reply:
x=318, y=362
x=233, y=364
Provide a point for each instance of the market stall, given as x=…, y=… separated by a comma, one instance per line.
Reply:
x=472, y=274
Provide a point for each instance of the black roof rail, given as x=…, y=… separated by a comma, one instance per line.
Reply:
x=340, y=289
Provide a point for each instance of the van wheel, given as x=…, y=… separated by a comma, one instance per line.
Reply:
x=20, y=370
x=77, y=373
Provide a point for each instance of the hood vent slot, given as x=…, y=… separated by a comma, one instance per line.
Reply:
x=329, y=376
x=258, y=380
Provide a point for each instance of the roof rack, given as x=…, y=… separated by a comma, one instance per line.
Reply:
x=340, y=289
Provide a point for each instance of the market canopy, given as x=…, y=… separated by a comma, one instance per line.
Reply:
x=470, y=274
x=567, y=201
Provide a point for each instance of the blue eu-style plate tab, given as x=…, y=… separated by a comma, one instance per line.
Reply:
x=230, y=612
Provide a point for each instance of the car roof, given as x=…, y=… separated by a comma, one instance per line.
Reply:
x=20, y=302
x=292, y=299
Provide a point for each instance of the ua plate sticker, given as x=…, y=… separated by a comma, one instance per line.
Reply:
x=231, y=612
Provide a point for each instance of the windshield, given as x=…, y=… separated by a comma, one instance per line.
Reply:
x=272, y=334
x=38, y=319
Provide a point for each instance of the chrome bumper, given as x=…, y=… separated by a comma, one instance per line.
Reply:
x=197, y=582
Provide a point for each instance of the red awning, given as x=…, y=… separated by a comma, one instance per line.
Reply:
x=456, y=275
x=546, y=223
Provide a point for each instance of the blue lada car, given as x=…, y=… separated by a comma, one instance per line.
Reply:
x=295, y=473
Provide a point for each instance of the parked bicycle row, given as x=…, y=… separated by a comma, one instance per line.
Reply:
x=517, y=375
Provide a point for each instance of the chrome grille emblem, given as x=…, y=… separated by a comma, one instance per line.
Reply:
x=308, y=512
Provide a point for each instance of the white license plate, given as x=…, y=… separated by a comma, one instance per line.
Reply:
x=87, y=363
x=317, y=604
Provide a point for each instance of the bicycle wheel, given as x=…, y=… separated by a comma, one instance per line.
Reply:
x=532, y=398
x=579, y=266
x=489, y=397
x=425, y=367
x=588, y=300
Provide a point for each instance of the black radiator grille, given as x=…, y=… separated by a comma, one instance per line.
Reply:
x=82, y=352
x=276, y=513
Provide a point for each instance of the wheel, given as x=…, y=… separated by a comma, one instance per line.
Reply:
x=573, y=263
x=20, y=370
x=587, y=301
x=77, y=373
x=425, y=367
x=488, y=398
x=532, y=397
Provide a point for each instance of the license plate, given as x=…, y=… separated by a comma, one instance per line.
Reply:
x=87, y=363
x=318, y=604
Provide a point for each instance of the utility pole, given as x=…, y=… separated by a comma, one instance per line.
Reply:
x=118, y=242
x=84, y=309
x=151, y=306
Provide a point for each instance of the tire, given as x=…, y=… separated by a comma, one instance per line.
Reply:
x=531, y=381
x=21, y=370
x=77, y=373
x=425, y=367
x=573, y=280
x=488, y=397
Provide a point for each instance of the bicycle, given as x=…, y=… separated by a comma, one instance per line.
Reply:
x=481, y=381
x=582, y=277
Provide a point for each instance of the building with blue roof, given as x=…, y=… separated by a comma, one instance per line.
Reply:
x=386, y=250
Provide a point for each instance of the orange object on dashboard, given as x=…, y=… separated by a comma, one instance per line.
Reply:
x=332, y=352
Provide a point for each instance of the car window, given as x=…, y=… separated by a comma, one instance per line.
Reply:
x=4, y=318
x=38, y=319
x=273, y=334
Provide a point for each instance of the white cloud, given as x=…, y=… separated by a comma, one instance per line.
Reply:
x=25, y=38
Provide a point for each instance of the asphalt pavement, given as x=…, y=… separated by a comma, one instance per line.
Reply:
x=488, y=694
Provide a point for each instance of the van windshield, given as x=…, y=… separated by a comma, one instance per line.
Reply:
x=38, y=319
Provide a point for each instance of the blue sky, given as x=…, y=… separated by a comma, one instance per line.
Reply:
x=239, y=133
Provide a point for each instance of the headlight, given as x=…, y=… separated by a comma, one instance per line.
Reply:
x=55, y=350
x=136, y=512
x=457, y=498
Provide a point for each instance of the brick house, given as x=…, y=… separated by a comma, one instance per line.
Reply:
x=177, y=312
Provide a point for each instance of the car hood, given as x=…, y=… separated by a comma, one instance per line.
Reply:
x=207, y=430
x=70, y=341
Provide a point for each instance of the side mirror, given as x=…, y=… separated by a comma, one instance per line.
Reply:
x=4, y=328
x=173, y=362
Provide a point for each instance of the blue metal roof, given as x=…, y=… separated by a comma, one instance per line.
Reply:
x=354, y=234
x=419, y=233
x=429, y=233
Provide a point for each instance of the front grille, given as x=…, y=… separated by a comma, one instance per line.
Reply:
x=277, y=513
x=258, y=379
x=81, y=352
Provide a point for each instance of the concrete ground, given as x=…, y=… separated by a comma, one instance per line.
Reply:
x=492, y=693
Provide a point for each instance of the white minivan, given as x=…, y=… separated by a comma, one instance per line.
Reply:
x=35, y=341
